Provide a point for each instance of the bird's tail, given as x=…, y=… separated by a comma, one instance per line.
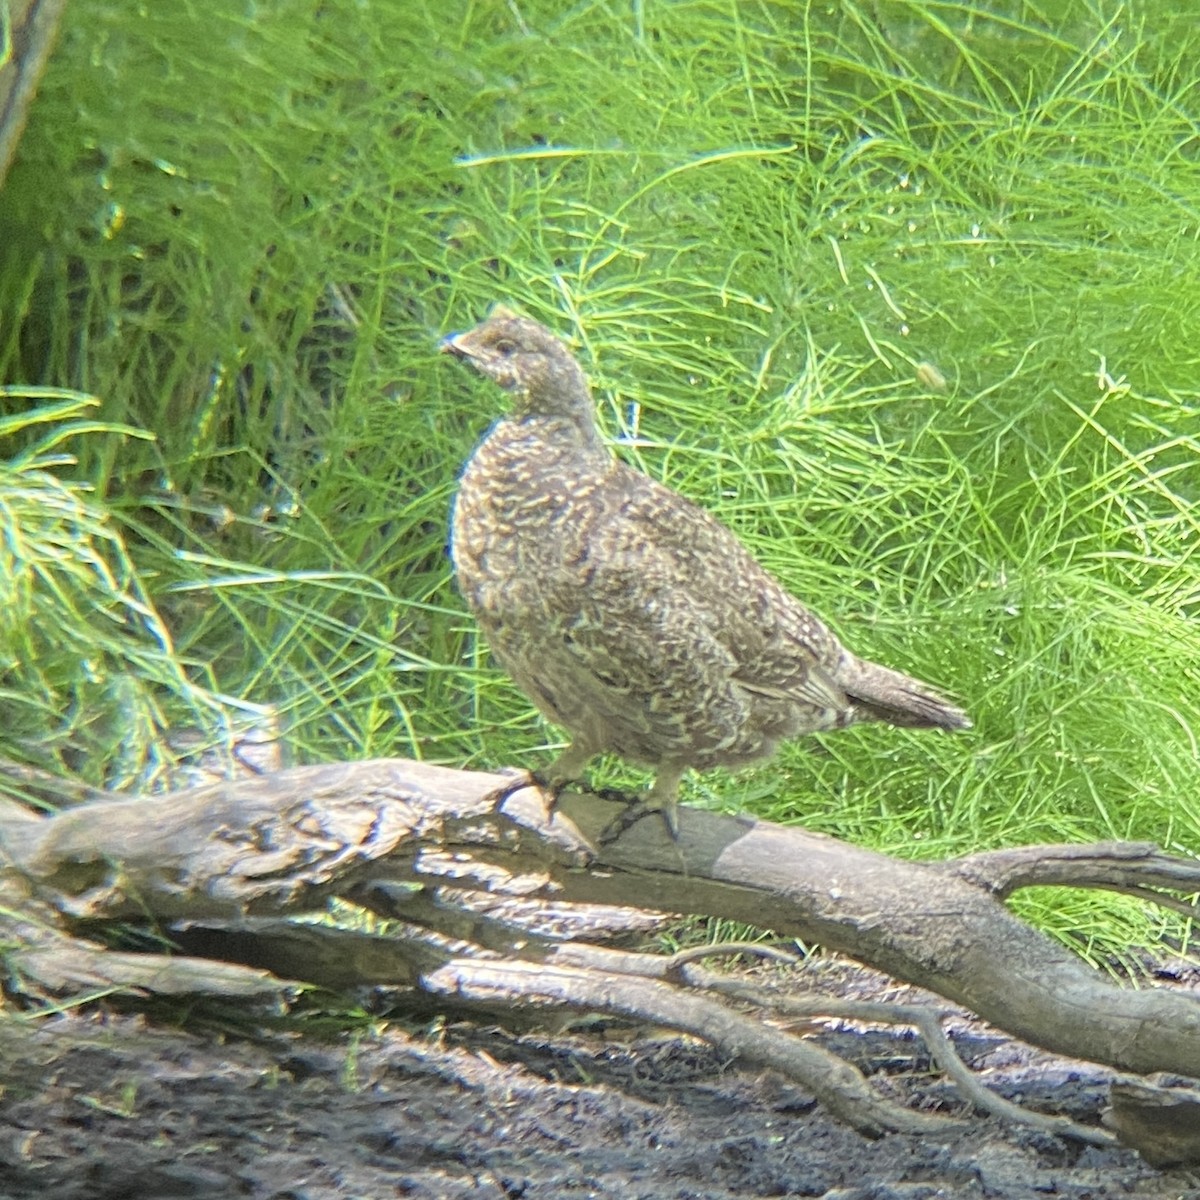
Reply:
x=881, y=694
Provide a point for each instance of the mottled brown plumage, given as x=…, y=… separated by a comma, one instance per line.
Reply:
x=627, y=614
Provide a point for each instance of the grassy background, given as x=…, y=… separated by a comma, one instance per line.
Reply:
x=241, y=229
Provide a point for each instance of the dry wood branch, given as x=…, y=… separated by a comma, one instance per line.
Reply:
x=44, y=963
x=928, y=1023
x=931, y=924
x=575, y=977
x=380, y=832
x=581, y=980
x=924, y=1018
x=31, y=26
x=832, y=1080
x=1117, y=866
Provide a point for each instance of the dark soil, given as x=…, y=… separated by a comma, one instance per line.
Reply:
x=101, y=1107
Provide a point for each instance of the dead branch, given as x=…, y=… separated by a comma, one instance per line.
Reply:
x=925, y=1019
x=574, y=978
x=406, y=839
x=1115, y=866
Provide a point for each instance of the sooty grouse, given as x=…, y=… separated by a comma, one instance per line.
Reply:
x=627, y=614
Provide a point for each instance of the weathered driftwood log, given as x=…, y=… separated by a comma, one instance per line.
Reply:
x=221, y=866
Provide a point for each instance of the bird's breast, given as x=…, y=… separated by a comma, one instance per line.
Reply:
x=525, y=504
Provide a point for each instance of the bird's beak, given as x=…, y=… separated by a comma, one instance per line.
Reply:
x=452, y=344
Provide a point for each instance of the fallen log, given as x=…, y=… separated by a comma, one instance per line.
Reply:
x=496, y=894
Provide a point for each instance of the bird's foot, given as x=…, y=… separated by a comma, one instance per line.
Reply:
x=635, y=805
x=518, y=779
x=636, y=808
x=552, y=787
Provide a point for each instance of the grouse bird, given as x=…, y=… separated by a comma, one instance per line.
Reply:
x=629, y=615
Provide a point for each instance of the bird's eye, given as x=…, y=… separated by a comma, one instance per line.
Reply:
x=505, y=348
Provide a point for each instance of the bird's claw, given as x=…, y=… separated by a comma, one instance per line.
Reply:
x=634, y=806
x=518, y=778
x=551, y=788
x=637, y=807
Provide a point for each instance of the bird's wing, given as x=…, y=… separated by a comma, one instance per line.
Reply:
x=692, y=590
x=781, y=652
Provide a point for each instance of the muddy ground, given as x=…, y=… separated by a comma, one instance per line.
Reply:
x=435, y=1110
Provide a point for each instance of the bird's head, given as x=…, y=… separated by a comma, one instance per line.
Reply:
x=525, y=359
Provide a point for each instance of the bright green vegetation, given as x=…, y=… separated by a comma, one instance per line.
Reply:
x=241, y=228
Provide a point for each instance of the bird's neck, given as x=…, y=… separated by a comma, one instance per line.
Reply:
x=522, y=450
x=566, y=434
x=566, y=418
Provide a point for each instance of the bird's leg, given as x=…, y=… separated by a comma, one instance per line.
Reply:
x=664, y=796
x=566, y=768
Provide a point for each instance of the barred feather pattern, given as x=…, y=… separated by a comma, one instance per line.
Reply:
x=628, y=614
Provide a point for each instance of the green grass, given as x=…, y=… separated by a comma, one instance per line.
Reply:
x=757, y=221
